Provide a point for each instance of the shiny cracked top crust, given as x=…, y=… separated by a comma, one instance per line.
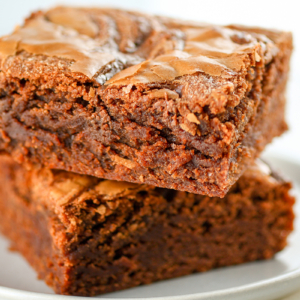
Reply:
x=117, y=47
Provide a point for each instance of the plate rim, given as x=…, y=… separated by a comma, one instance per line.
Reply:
x=282, y=279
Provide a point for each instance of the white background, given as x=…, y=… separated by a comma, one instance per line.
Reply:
x=283, y=14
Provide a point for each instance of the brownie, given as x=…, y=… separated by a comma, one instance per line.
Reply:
x=126, y=96
x=86, y=236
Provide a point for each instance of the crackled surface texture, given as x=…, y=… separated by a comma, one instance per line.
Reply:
x=127, y=96
x=86, y=236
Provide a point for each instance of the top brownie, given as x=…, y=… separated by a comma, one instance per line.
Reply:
x=127, y=96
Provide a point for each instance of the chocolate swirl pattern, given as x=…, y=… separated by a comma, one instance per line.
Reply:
x=121, y=47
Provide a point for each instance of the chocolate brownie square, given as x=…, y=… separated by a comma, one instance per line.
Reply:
x=87, y=236
x=126, y=96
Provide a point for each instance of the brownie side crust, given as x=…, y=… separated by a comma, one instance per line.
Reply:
x=86, y=236
x=194, y=128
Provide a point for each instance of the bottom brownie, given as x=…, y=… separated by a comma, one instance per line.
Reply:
x=87, y=236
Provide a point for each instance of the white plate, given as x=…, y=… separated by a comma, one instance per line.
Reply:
x=258, y=280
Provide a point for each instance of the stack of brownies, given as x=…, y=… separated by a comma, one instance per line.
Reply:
x=129, y=146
